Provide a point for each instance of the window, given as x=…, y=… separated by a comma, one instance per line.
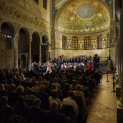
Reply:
x=81, y=44
x=94, y=44
x=87, y=43
x=45, y=4
x=64, y=40
x=74, y=43
x=36, y=1
x=99, y=38
x=104, y=42
x=69, y=44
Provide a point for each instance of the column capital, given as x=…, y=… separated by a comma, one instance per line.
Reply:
x=16, y=37
x=17, y=28
x=30, y=33
x=30, y=39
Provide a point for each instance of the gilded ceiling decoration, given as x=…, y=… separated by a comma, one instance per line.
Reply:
x=84, y=16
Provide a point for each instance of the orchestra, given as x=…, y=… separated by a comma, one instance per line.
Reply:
x=68, y=64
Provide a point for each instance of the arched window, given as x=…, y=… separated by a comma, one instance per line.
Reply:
x=64, y=40
x=87, y=43
x=74, y=43
x=99, y=40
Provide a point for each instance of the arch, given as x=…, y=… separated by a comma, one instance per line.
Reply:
x=7, y=44
x=45, y=34
x=8, y=24
x=23, y=48
x=68, y=21
x=35, y=47
x=44, y=48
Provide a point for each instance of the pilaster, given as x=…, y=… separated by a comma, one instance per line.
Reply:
x=121, y=55
x=16, y=38
x=30, y=56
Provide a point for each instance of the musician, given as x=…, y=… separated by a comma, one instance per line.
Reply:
x=59, y=64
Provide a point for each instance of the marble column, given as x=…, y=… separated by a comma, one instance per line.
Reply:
x=30, y=56
x=121, y=55
x=16, y=38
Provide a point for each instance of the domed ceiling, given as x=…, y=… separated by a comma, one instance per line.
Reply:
x=84, y=16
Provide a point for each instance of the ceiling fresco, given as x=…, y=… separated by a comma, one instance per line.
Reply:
x=84, y=16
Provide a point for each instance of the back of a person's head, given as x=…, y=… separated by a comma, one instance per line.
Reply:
x=35, y=83
x=3, y=101
x=42, y=88
x=29, y=90
x=19, y=90
x=74, y=82
x=47, y=83
x=2, y=87
x=78, y=88
x=40, y=78
x=66, y=86
x=53, y=87
x=53, y=106
x=36, y=102
x=19, y=78
x=12, y=87
x=20, y=104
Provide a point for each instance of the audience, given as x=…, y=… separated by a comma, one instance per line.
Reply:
x=26, y=96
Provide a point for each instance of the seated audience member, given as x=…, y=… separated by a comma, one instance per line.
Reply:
x=54, y=97
x=53, y=116
x=70, y=101
x=29, y=97
x=5, y=110
x=44, y=97
x=35, y=114
x=2, y=90
x=58, y=86
x=65, y=90
x=19, y=90
x=73, y=85
x=47, y=88
x=11, y=94
x=35, y=88
x=79, y=93
x=20, y=112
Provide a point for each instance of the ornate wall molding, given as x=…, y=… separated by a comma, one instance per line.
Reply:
x=13, y=13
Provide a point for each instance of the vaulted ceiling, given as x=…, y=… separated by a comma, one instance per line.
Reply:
x=84, y=16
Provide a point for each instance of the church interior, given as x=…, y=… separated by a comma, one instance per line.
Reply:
x=45, y=33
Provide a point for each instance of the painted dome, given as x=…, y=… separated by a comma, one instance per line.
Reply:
x=82, y=16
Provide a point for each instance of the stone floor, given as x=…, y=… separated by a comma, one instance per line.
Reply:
x=103, y=108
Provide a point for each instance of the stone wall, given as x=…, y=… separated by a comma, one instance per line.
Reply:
x=103, y=53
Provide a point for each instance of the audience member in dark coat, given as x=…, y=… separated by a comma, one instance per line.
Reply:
x=44, y=97
x=35, y=114
x=53, y=116
x=5, y=110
